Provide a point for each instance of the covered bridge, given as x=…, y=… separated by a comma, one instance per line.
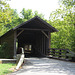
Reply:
x=33, y=35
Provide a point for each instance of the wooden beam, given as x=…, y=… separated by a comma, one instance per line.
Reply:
x=32, y=29
x=45, y=34
x=19, y=33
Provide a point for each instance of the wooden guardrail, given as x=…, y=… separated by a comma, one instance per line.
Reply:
x=20, y=59
x=65, y=54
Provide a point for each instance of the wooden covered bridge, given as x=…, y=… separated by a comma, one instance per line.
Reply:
x=34, y=36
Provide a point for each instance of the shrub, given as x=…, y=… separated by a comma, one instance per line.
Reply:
x=4, y=50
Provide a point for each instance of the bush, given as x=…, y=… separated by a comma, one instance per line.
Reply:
x=4, y=50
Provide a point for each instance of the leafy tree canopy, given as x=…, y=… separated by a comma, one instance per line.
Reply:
x=63, y=19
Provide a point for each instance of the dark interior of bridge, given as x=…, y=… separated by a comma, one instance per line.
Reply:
x=33, y=43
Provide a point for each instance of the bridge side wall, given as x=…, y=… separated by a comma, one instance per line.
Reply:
x=9, y=39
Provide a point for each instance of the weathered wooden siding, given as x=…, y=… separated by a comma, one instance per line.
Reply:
x=0, y=41
x=9, y=38
x=42, y=43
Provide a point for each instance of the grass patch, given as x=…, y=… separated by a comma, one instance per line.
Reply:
x=6, y=68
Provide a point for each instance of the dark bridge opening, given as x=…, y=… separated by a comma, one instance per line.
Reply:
x=33, y=42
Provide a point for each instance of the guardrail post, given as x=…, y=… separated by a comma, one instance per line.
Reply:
x=66, y=54
x=59, y=54
x=53, y=51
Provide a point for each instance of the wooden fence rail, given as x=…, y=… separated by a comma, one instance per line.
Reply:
x=64, y=54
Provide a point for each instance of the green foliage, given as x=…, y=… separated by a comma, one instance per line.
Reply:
x=4, y=50
x=67, y=2
x=73, y=40
x=8, y=17
x=5, y=17
x=37, y=14
x=28, y=14
x=63, y=19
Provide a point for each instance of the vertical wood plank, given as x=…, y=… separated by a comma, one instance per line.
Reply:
x=49, y=39
x=47, y=45
x=42, y=43
x=14, y=44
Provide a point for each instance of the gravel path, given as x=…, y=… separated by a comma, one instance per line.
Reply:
x=46, y=66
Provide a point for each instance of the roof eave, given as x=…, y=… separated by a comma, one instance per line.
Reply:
x=54, y=29
x=24, y=23
x=6, y=33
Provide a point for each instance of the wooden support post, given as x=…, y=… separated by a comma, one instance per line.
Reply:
x=14, y=44
x=47, y=46
x=42, y=43
x=53, y=51
x=49, y=34
x=48, y=43
x=59, y=54
x=66, y=57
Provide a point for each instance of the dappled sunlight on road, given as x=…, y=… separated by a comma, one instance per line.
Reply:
x=45, y=66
